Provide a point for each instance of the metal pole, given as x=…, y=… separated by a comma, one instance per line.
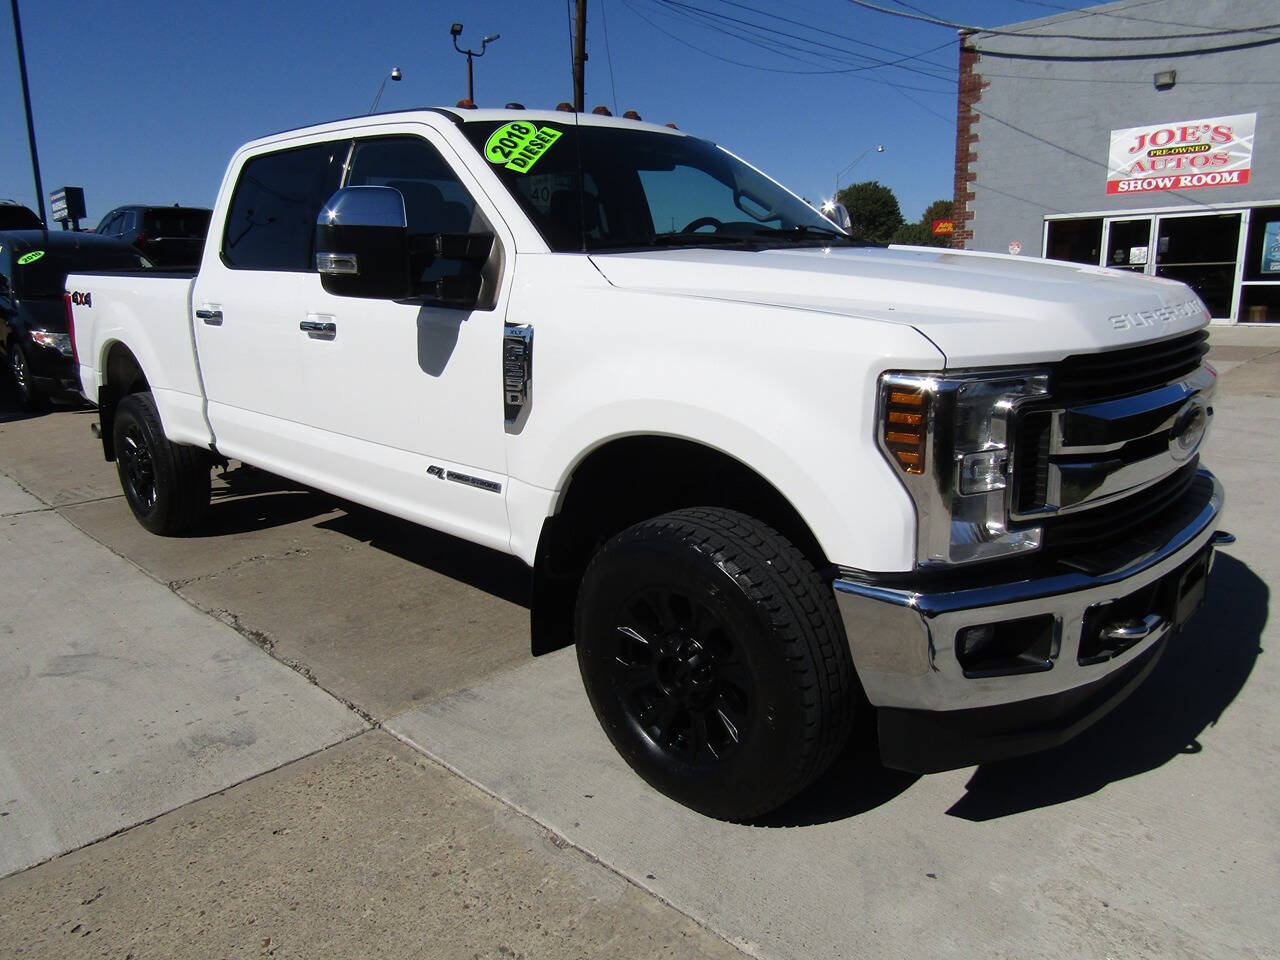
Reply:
x=26, y=100
x=579, y=56
x=471, y=89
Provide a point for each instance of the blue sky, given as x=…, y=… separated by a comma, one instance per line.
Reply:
x=144, y=102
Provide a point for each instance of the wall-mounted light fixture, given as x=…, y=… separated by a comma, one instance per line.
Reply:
x=1165, y=79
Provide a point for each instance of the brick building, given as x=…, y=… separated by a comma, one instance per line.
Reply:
x=1140, y=135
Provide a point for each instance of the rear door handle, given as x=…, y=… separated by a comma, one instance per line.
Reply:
x=319, y=327
x=210, y=316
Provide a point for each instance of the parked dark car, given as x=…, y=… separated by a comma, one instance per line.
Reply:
x=169, y=236
x=14, y=216
x=34, y=337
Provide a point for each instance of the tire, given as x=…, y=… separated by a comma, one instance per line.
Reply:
x=714, y=658
x=29, y=396
x=166, y=484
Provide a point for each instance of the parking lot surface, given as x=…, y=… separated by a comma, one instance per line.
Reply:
x=1152, y=834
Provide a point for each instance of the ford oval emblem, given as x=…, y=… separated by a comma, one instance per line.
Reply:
x=1188, y=429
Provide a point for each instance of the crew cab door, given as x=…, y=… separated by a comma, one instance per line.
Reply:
x=411, y=392
x=253, y=288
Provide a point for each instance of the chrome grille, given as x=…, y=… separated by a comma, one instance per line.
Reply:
x=1118, y=427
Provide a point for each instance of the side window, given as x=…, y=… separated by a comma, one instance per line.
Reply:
x=435, y=201
x=108, y=226
x=126, y=223
x=272, y=218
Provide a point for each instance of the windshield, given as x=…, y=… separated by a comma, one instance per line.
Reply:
x=640, y=188
x=44, y=272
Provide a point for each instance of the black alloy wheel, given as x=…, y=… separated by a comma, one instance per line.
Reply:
x=137, y=468
x=167, y=485
x=715, y=660
x=681, y=681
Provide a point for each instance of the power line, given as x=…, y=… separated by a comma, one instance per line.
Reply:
x=939, y=22
x=1093, y=12
x=604, y=19
x=756, y=66
x=773, y=45
x=839, y=36
x=725, y=18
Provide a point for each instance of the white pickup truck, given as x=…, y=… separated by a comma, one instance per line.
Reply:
x=771, y=482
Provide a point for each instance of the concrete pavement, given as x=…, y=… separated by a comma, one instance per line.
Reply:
x=364, y=850
x=120, y=702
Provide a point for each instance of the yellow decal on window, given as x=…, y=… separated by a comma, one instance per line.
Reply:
x=518, y=145
x=31, y=257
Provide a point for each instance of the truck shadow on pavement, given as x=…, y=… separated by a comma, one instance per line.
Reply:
x=1201, y=673
x=247, y=500
x=494, y=573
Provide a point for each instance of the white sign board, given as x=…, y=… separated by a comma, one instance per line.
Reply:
x=1186, y=155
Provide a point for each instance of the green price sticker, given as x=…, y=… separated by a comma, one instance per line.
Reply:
x=31, y=257
x=518, y=145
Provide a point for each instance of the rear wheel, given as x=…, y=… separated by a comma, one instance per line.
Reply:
x=166, y=484
x=714, y=658
x=29, y=396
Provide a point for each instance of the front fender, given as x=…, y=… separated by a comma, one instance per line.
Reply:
x=789, y=393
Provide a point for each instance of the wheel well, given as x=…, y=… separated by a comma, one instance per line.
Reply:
x=632, y=479
x=123, y=376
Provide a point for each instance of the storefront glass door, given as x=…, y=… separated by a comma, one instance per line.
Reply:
x=1203, y=252
x=1129, y=244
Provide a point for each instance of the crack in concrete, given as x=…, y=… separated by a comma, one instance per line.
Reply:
x=176, y=585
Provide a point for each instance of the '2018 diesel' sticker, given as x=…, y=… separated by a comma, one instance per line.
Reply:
x=31, y=257
x=518, y=145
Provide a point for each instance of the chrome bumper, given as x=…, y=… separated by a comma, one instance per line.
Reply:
x=903, y=642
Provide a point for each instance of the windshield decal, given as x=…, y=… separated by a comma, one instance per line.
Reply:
x=31, y=257
x=518, y=145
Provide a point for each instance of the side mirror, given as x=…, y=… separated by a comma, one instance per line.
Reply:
x=362, y=244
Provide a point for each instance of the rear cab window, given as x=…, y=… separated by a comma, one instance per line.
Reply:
x=272, y=217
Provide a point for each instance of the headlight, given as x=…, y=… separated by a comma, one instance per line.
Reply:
x=58, y=341
x=949, y=437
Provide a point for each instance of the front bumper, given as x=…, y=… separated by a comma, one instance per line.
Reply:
x=933, y=716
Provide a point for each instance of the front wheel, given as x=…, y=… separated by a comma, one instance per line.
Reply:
x=714, y=658
x=166, y=484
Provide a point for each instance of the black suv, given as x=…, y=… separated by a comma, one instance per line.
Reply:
x=34, y=336
x=171, y=237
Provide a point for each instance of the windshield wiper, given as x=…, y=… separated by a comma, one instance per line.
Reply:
x=802, y=232
x=679, y=239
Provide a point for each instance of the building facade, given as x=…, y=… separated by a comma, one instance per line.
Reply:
x=1081, y=138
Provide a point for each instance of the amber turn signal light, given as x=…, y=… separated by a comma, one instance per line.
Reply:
x=906, y=413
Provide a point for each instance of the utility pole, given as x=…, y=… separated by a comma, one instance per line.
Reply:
x=26, y=100
x=579, y=56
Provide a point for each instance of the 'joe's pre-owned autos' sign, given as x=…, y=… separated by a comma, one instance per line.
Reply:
x=1186, y=155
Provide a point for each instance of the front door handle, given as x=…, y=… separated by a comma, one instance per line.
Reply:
x=210, y=316
x=319, y=327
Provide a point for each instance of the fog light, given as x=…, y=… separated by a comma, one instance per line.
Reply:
x=972, y=641
x=1026, y=645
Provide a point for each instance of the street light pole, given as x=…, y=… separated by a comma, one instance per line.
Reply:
x=455, y=31
x=878, y=148
x=26, y=101
x=393, y=75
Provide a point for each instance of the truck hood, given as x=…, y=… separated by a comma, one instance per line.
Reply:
x=978, y=309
